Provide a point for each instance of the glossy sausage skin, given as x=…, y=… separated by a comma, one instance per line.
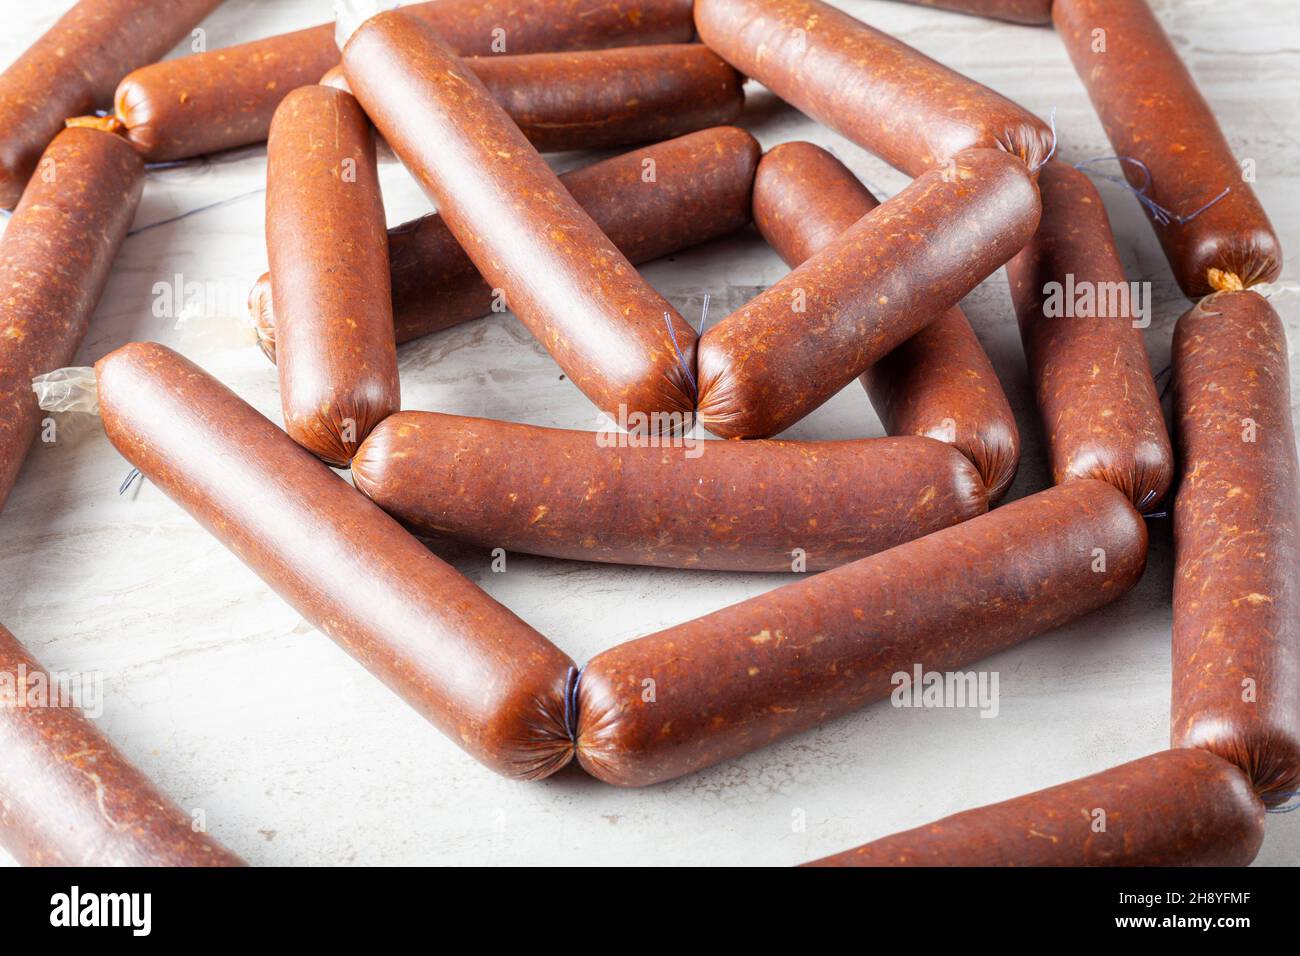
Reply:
x=890, y=99
x=726, y=506
x=784, y=662
x=328, y=251
x=226, y=98
x=485, y=678
x=73, y=68
x=615, y=337
x=1153, y=112
x=939, y=383
x=1175, y=808
x=699, y=191
x=68, y=797
x=1088, y=363
x=789, y=350
x=1236, y=653
x=55, y=257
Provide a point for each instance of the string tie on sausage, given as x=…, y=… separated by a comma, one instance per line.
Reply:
x=195, y=212
x=681, y=359
x=131, y=476
x=1051, y=152
x=571, y=701
x=1158, y=212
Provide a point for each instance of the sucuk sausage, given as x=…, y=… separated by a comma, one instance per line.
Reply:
x=328, y=250
x=750, y=674
x=616, y=339
x=890, y=99
x=699, y=190
x=1087, y=361
x=726, y=506
x=1236, y=648
x=73, y=68
x=939, y=383
x=68, y=797
x=490, y=682
x=789, y=350
x=1032, y=12
x=226, y=98
x=1174, y=808
x=595, y=99
x=54, y=262
x=1153, y=113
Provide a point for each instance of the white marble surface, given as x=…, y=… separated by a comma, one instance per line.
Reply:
x=236, y=706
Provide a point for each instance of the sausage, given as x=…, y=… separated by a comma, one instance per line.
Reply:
x=477, y=672
x=616, y=339
x=73, y=68
x=1086, y=357
x=54, y=262
x=651, y=202
x=1153, y=113
x=328, y=249
x=594, y=99
x=1236, y=647
x=720, y=686
x=226, y=98
x=1032, y=12
x=68, y=797
x=890, y=99
x=939, y=383
x=1175, y=808
x=726, y=506
x=773, y=361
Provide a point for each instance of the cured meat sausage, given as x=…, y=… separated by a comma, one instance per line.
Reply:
x=1237, y=543
x=1153, y=113
x=731, y=506
x=328, y=249
x=54, y=261
x=735, y=680
x=794, y=346
x=1176, y=808
x=485, y=678
x=939, y=383
x=1087, y=361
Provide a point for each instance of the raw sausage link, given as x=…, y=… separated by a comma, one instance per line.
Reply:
x=728, y=506
x=225, y=98
x=54, y=262
x=616, y=338
x=939, y=383
x=1034, y=12
x=789, y=350
x=1175, y=808
x=1153, y=112
x=73, y=68
x=68, y=797
x=650, y=202
x=890, y=99
x=1087, y=360
x=1237, y=543
x=485, y=678
x=328, y=250
x=740, y=678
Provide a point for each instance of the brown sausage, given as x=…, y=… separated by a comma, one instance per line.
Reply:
x=485, y=678
x=1153, y=112
x=939, y=383
x=651, y=202
x=1237, y=543
x=1033, y=12
x=1175, y=808
x=54, y=262
x=726, y=506
x=890, y=99
x=617, y=339
x=328, y=250
x=226, y=98
x=68, y=797
x=1087, y=360
x=789, y=350
x=73, y=68
x=735, y=680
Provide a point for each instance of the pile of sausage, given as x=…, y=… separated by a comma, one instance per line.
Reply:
x=913, y=565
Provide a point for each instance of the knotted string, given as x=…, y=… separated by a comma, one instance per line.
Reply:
x=1158, y=212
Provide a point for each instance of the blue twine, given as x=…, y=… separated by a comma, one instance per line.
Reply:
x=1051, y=152
x=668, y=321
x=132, y=475
x=195, y=212
x=704, y=316
x=1158, y=212
x=571, y=702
